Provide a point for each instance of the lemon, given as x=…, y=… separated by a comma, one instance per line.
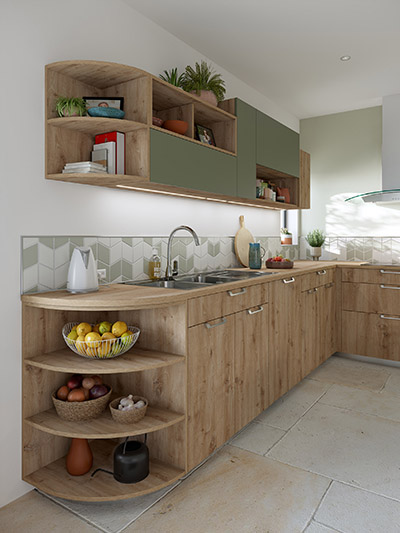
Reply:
x=104, y=349
x=119, y=328
x=80, y=345
x=104, y=327
x=83, y=328
x=126, y=338
x=72, y=335
x=93, y=339
x=117, y=349
x=96, y=328
x=91, y=351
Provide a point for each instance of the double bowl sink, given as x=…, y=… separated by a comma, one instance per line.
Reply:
x=201, y=279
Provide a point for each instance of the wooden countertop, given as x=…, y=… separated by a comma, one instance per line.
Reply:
x=118, y=297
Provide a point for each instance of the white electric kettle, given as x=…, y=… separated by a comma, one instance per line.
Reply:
x=82, y=273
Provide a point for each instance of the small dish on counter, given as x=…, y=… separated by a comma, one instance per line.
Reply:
x=273, y=262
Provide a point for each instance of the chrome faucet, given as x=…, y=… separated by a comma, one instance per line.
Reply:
x=169, y=272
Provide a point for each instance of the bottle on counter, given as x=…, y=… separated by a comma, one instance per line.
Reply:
x=155, y=265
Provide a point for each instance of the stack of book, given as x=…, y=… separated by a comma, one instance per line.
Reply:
x=84, y=167
x=109, y=150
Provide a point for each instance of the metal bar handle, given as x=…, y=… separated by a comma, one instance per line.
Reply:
x=389, y=287
x=242, y=291
x=321, y=272
x=312, y=291
x=261, y=308
x=210, y=326
x=389, y=271
x=329, y=285
x=291, y=280
x=390, y=317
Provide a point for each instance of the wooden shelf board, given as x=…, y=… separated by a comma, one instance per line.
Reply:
x=100, y=74
x=136, y=360
x=54, y=479
x=206, y=113
x=103, y=427
x=270, y=173
x=99, y=178
x=96, y=125
x=163, y=130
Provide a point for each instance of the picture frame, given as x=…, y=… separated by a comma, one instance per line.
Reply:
x=116, y=102
x=205, y=135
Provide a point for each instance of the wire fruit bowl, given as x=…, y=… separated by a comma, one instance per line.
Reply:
x=103, y=349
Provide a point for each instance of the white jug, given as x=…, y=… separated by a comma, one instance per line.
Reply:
x=82, y=273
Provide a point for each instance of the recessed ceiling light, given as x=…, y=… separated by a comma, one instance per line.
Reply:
x=345, y=58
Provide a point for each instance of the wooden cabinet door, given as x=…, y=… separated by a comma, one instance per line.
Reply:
x=304, y=182
x=210, y=387
x=251, y=364
x=328, y=321
x=246, y=150
x=284, y=354
x=310, y=331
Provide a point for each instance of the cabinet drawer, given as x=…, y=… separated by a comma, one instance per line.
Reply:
x=367, y=275
x=317, y=279
x=371, y=334
x=224, y=303
x=371, y=298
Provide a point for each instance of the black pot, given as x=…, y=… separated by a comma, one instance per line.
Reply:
x=131, y=462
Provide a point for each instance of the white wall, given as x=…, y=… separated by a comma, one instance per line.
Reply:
x=40, y=32
x=346, y=158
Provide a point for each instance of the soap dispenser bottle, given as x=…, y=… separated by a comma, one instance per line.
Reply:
x=155, y=265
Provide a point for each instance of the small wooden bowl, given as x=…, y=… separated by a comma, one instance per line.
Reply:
x=279, y=264
x=76, y=411
x=177, y=126
x=131, y=416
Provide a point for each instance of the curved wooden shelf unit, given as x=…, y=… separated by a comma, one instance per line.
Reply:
x=136, y=360
x=96, y=125
x=103, y=427
x=54, y=479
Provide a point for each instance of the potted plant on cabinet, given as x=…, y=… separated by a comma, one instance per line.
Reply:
x=202, y=81
x=286, y=236
x=171, y=76
x=315, y=239
x=70, y=107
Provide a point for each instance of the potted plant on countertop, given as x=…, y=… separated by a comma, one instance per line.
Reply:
x=315, y=239
x=203, y=81
x=70, y=107
x=286, y=236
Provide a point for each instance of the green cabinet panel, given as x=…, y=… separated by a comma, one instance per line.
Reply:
x=277, y=145
x=246, y=149
x=175, y=161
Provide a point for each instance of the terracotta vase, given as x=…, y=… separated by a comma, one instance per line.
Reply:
x=80, y=458
x=207, y=96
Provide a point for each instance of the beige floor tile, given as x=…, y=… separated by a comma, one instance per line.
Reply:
x=257, y=438
x=287, y=410
x=383, y=404
x=347, y=446
x=237, y=491
x=393, y=384
x=34, y=513
x=356, y=374
x=354, y=510
x=315, y=527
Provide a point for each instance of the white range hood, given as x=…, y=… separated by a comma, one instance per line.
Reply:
x=390, y=192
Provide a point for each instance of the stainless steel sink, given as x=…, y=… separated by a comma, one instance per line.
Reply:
x=200, y=279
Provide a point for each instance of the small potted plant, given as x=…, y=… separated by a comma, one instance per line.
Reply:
x=70, y=107
x=171, y=76
x=315, y=239
x=286, y=236
x=203, y=81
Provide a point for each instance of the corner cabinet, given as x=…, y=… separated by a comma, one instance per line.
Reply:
x=154, y=368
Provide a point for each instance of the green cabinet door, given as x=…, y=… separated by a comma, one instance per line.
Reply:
x=175, y=161
x=277, y=145
x=246, y=149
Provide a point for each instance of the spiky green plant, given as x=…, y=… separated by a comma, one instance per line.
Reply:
x=171, y=76
x=315, y=238
x=285, y=231
x=66, y=107
x=203, y=78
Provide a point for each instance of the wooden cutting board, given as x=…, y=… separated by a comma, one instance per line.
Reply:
x=242, y=239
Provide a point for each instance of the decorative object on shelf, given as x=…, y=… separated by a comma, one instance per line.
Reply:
x=80, y=458
x=243, y=238
x=177, y=126
x=171, y=76
x=70, y=107
x=203, y=81
x=82, y=271
x=315, y=239
x=278, y=262
x=114, y=143
x=283, y=195
x=286, y=236
x=131, y=462
x=255, y=255
x=75, y=411
x=205, y=135
x=116, y=102
x=107, y=112
x=128, y=410
x=84, y=167
x=97, y=342
x=157, y=122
